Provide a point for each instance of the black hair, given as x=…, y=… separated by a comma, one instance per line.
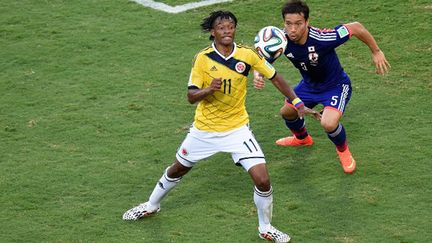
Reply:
x=296, y=6
x=208, y=22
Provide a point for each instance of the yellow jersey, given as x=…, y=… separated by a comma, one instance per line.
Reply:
x=225, y=109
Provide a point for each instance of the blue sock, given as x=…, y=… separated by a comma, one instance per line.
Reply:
x=338, y=137
x=297, y=127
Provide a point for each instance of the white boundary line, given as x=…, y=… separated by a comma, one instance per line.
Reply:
x=179, y=8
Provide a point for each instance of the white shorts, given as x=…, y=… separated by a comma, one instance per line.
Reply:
x=240, y=142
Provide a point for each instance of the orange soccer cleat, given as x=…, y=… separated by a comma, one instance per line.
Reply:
x=294, y=142
x=347, y=161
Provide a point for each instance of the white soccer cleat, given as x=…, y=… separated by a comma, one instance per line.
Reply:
x=140, y=211
x=273, y=234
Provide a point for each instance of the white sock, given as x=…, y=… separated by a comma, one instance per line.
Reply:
x=164, y=185
x=264, y=204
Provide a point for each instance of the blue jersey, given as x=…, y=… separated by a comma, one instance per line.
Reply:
x=317, y=60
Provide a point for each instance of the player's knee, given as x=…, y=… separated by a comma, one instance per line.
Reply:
x=329, y=125
x=177, y=170
x=288, y=112
x=260, y=177
x=263, y=183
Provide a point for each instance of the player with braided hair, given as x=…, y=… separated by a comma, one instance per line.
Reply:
x=218, y=83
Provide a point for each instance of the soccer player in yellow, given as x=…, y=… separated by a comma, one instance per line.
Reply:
x=218, y=81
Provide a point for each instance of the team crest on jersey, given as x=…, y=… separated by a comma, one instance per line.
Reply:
x=240, y=67
x=313, y=58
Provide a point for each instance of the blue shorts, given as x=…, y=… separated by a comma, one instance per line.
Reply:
x=335, y=98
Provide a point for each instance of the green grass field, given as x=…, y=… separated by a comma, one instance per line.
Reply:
x=93, y=107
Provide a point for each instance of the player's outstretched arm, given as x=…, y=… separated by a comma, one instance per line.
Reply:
x=282, y=85
x=382, y=66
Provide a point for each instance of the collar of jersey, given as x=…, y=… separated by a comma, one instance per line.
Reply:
x=225, y=58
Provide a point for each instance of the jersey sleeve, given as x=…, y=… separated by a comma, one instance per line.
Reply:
x=263, y=66
x=331, y=37
x=196, y=78
x=342, y=35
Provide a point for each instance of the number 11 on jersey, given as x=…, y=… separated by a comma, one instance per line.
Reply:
x=227, y=82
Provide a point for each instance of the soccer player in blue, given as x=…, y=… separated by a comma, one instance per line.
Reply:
x=312, y=52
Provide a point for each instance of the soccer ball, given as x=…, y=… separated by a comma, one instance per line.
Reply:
x=270, y=42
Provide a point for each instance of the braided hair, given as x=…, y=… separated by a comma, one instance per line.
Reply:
x=208, y=22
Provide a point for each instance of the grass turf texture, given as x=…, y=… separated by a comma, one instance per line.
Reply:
x=93, y=106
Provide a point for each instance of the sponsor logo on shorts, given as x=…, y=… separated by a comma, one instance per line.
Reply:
x=184, y=152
